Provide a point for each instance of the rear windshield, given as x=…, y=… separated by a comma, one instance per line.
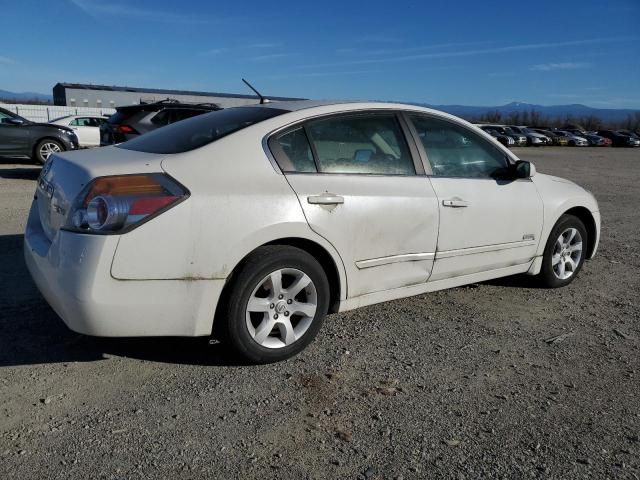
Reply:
x=118, y=117
x=198, y=131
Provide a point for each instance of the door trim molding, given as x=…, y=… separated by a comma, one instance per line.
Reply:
x=407, y=257
x=484, y=249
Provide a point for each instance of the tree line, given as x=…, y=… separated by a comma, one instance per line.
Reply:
x=532, y=118
x=537, y=119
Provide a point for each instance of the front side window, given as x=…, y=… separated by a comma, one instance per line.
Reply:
x=365, y=144
x=4, y=118
x=455, y=151
x=84, y=122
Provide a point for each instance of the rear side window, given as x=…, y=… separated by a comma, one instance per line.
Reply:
x=200, y=130
x=365, y=144
x=161, y=118
x=184, y=114
x=293, y=152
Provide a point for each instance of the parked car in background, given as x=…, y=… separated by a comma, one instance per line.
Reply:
x=619, y=139
x=520, y=140
x=505, y=140
x=630, y=133
x=535, y=139
x=87, y=128
x=596, y=140
x=257, y=221
x=573, y=140
x=556, y=139
x=37, y=141
x=133, y=120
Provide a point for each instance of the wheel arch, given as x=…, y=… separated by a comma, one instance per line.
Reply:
x=337, y=282
x=586, y=217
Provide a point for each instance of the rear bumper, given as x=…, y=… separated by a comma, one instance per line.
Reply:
x=73, y=273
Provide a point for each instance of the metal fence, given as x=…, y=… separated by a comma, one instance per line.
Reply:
x=46, y=113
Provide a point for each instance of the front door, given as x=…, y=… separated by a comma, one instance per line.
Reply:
x=485, y=223
x=88, y=131
x=361, y=189
x=14, y=137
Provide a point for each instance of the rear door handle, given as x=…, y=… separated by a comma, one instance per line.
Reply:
x=455, y=203
x=325, y=199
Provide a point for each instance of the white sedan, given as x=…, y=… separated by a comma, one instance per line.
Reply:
x=252, y=223
x=87, y=128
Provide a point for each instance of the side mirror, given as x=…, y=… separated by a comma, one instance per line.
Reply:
x=524, y=169
x=13, y=121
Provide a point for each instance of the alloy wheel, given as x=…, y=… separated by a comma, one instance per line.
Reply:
x=567, y=253
x=47, y=148
x=281, y=308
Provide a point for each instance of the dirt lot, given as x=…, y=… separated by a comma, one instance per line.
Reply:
x=455, y=384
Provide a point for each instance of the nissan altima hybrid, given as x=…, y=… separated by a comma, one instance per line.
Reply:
x=253, y=223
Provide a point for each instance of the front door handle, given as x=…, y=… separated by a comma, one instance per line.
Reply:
x=455, y=203
x=325, y=199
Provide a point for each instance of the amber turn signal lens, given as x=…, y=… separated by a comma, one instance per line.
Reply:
x=123, y=185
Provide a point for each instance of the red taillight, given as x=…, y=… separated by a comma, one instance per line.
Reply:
x=121, y=202
x=147, y=206
x=126, y=129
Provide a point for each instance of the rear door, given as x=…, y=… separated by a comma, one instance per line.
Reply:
x=363, y=189
x=485, y=223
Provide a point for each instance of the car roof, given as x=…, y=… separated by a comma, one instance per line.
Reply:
x=168, y=103
x=95, y=115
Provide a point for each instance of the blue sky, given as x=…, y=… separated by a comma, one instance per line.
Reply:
x=441, y=52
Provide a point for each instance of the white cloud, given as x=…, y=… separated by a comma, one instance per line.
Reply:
x=548, y=67
x=271, y=56
x=262, y=45
x=97, y=10
x=322, y=74
x=214, y=51
x=474, y=52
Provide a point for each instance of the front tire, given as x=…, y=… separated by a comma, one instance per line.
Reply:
x=564, y=253
x=276, y=304
x=45, y=148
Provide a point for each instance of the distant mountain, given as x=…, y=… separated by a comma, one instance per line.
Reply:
x=17, y=97
x=553, y=111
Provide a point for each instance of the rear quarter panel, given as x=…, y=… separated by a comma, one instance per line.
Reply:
x=238, y=202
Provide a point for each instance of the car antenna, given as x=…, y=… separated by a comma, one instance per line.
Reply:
x=262, y=98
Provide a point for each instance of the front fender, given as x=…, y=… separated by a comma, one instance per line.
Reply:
x=559, y=196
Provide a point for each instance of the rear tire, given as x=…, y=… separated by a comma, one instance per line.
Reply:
x=46, y=148
x=564, y=253
x=276, y=304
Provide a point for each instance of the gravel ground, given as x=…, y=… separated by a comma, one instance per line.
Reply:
x=463, y=383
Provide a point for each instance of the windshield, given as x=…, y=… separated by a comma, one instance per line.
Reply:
x=198, y=131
